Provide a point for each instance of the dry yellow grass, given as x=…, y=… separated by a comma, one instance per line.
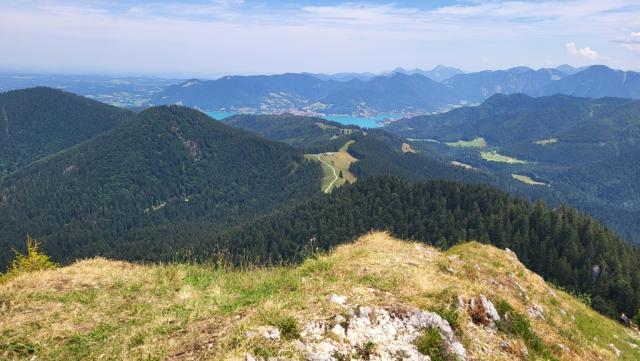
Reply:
x=406, y=148
x=478, y=142
x=100, y=309
x=494, y=156
x=527, y=180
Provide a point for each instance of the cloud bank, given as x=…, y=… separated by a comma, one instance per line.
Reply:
x=208, y=38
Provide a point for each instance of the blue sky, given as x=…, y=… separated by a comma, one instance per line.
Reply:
x=198, y=38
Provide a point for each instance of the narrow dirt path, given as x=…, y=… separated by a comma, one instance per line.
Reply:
x=335, y=175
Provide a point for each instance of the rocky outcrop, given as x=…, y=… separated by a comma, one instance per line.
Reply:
x=369, y=333
x=375, y=334
x=482, y=311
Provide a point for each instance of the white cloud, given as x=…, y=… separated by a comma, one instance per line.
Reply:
x=635, y=34
x=585, y=52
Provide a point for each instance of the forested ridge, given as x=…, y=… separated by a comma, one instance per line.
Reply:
x=561, y=244
x=583, y=149
x=135, y=192
x=308, y=133
x=41, y=121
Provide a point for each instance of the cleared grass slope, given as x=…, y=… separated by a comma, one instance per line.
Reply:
x=335, y=164
x=111, y=310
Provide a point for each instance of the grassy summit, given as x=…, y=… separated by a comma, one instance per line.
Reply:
x=101, y=309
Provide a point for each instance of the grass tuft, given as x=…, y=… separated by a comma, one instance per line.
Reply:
x=430, y=344
x=516, y=324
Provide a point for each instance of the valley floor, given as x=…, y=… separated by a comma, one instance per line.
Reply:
x=101, y=309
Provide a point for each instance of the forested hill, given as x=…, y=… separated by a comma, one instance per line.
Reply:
x=562, y=245
x=41, y=121
x=580, y=149
x=507, y=119
x=147, y=187
x=299, y=131
x=379, y=152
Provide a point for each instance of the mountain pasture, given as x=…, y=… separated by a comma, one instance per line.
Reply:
x=335, y=167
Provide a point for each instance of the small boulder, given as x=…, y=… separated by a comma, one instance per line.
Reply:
x=270, y=333
x=339, y=331
x=341, y=300
x=536, y=311
x=483, y=312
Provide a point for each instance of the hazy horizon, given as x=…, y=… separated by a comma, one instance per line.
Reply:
x=209, y=39
x=36, y=72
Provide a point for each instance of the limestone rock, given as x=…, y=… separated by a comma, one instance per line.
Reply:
x=341, y=300
x=536, y=311
x=384, y=333
x=483, y=312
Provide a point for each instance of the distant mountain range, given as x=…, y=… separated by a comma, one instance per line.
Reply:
x=405, y=92
x=439, y=73
x=400, y=92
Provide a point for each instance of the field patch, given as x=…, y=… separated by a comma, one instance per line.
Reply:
x=335, y=167
x=475, y=143
x=494, y=156
x=528, y=180
x=406, y=148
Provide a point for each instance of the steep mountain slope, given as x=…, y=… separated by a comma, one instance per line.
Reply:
x=38, y=122
x=595, y=82
x=146, y=188
x=377, y=297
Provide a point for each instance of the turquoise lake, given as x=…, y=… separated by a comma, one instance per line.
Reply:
x=364, y=122
x=219, y=115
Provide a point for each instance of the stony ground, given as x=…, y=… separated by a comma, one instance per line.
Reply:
x=375, y=299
